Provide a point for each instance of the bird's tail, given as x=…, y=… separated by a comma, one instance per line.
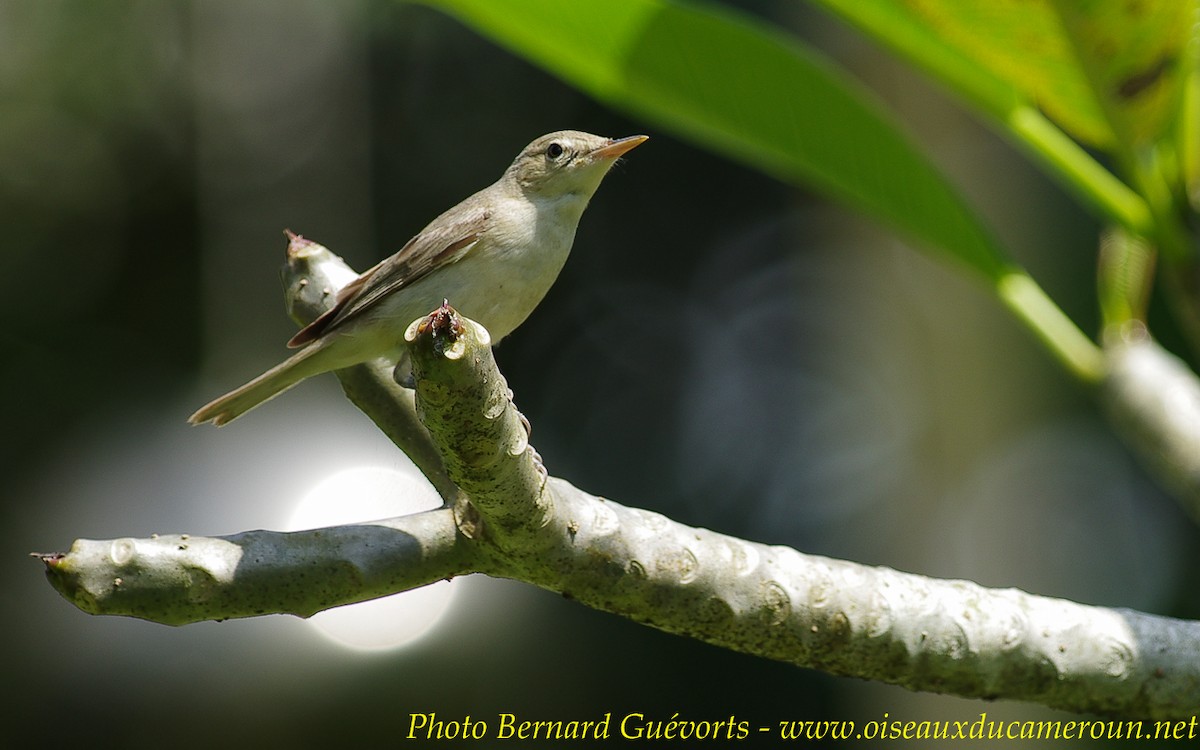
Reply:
x=265, y=387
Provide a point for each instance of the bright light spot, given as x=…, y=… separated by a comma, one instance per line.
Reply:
x=366, y=494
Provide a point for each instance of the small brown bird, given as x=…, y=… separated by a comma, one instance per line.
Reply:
x=494, y=256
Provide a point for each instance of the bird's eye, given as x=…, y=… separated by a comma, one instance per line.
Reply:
x=554, y=151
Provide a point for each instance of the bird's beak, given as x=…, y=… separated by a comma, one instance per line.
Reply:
x=615, y=148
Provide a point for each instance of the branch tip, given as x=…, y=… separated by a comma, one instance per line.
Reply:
x=50, y=559
x=300, y=247
x=442, y=330
x=442, y=322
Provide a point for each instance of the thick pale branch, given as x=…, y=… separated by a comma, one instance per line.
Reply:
x=1154, y=398
x=462, y=397
x=177, y=579
x=869, y=622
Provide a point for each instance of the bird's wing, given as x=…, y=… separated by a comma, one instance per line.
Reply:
x=439, y=244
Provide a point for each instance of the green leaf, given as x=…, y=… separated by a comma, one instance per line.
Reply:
x=1023, y=43
x=744, y=89
x=1096, y=67
x=966, y=47
x=1135, y=56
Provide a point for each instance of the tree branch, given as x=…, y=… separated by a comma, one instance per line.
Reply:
x=177, y=579
x=510, y=520
x=1154, y=399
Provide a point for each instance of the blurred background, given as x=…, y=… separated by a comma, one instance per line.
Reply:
x=720, y=348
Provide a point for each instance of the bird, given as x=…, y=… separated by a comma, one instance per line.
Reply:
x=494, y=256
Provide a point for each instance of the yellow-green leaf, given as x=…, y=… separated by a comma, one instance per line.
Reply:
x=1136, y=56
x=992, y=52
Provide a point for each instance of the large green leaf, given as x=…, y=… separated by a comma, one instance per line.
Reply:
x=742, y=88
